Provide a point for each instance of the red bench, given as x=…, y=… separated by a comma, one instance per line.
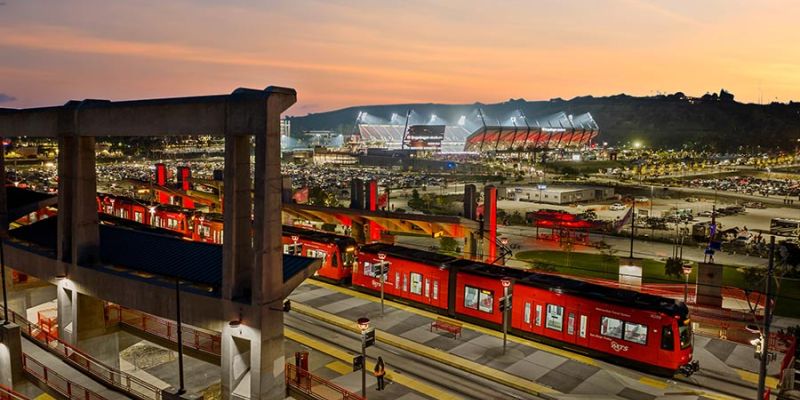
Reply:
x=447, y=325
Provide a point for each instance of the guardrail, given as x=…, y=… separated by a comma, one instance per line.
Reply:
x=209, y=342
x=85, y=363
x=316, y=387
x=57, y=382
x=206, y=342
x=9, y=394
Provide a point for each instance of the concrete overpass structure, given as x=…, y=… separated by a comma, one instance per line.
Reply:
x=247, y=310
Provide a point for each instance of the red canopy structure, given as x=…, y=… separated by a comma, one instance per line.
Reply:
x=558, y=131
x=562, y=225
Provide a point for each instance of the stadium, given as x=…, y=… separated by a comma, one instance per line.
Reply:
x=476, y=132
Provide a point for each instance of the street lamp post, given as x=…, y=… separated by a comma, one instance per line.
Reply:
x=363, y=325
x=686, y=269
x=504, y=242
x=506, y=305
x=381, y=265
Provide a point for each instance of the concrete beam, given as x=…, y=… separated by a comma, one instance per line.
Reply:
x=200, y=115
x=197, y=310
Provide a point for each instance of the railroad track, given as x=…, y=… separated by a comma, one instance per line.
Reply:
x=460, y=383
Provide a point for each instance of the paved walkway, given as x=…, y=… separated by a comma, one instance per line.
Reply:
x=67, y=371
x=724, y=364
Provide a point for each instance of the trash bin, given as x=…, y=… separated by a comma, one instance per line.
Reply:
x=301, y=362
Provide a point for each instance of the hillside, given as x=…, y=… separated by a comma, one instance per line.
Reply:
x=715, y=122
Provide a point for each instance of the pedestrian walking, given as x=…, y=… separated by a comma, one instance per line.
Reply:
x=380, y=373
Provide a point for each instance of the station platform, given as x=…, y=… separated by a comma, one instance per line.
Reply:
x=728, y=370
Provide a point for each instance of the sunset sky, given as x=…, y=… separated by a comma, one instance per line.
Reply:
x=345, y=53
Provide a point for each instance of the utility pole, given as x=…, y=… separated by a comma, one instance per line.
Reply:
x=633, y=223
x=762, y=370
x=506, y=304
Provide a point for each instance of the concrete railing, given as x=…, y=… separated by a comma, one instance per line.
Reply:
x=55, y=381
x=9, y=394
x=116, y=379
x=316, y=387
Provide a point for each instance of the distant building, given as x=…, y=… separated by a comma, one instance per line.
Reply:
x=286, y=127
x=550, y=194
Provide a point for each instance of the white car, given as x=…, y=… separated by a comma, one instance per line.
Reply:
x=617, y=207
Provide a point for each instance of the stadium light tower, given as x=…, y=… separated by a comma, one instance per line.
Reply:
x=463, y=120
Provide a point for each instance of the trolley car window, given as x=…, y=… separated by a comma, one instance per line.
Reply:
x=478, y=299
x=335, y=262
x=397, y=280
x=471, y=297
x=416, y=283
x=527, y=314
x=538, y=315
x=571, y=324
x=636, y=333
x=138, y=216
x=583, y=326
x=555, y=317
x=368, y=269
x=436, y=290
x=611, y=327
x=686, y=336
x=487, y=301
x=667, y=338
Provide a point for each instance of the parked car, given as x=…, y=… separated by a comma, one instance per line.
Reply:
x=617, y=207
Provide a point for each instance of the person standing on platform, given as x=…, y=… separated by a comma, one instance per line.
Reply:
x=380, y=373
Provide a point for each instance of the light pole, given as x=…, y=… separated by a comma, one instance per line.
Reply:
x=762, y=370
x=381, y=265
x=363, y=324
x=179, y=329
x=687, y=269
x=505, y=306
x=3, y=273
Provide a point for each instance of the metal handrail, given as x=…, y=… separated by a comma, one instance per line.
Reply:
x=316, y=387
x=57, y=382
x=206, y=342
x=114, y=378
x=9, y=394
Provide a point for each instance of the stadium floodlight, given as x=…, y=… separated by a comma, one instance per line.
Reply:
x=462, y=120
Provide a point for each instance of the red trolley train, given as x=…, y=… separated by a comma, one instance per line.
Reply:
x=625, y=326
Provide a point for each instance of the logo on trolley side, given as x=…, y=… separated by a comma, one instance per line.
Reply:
x=618, y=347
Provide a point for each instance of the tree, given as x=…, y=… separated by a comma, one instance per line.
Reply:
x=567, y=244
x=447, y=243
x=609, y=254
x=320, y=197
x=673, y=267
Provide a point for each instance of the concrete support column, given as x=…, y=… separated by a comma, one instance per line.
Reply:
x=90, y=333
x=3, y=195
x=267, y=375
x=10, y=355
x=237, y=254
x=253, y=287
x=78, y=231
